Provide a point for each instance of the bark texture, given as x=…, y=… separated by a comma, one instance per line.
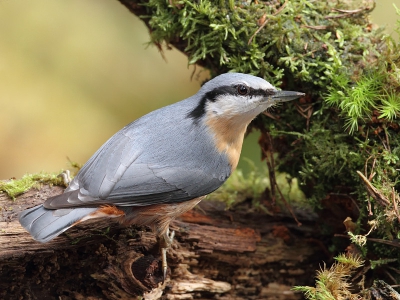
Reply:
x=217, y=254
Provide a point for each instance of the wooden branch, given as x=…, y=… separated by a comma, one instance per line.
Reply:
x=241, y=254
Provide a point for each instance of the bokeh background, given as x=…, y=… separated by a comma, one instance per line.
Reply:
x=72, y=73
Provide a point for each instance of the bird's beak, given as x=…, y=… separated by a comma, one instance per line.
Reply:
x=284, y=96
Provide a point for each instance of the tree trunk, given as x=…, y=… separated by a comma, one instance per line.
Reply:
x=236, y=254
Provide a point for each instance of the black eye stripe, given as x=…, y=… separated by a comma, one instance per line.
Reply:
x=233, y=90
x=261, y=92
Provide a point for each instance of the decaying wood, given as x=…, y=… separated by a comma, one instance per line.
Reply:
x=237, y=254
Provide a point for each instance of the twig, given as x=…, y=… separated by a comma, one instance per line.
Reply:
x=386, y=242
x=366, y=164
x=370, y=213
x=346, y=13
x=288, y=206
x=354, y=11
x=309, y=110
x=373, y=192
x=271, y=170
x=271, y=166
x=387, y=138
x=265, y=113
x=265, y=23
x=318, y=27
x=396, y=210
x=384, y=144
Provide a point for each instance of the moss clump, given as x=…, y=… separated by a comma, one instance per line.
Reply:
x=303, y=40
x=15, y=187
x=334, y=283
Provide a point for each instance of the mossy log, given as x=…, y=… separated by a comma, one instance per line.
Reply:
x=217, y=253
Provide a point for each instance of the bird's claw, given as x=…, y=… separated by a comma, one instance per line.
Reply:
x=166, y=242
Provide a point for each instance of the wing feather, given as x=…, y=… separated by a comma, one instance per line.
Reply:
x=162, y=157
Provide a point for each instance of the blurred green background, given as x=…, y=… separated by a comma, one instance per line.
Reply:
x=72, y=73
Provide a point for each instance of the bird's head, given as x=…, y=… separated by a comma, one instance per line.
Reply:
x=227, y=104
x=236, y=95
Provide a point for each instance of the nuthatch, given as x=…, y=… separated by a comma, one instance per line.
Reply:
x=162, y=164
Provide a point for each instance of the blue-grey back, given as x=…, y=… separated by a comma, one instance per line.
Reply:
x=164, y=156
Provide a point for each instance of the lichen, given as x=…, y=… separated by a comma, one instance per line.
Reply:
x=16, y=187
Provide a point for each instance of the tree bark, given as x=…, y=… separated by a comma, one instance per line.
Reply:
x=217, y=253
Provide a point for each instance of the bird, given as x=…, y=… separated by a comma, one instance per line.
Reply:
x=162, y=164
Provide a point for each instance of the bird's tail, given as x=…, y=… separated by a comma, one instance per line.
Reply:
x=46, y=224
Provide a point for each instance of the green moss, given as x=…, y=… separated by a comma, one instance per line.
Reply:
x=15, y=187
x=334, y=283
x=304, y=40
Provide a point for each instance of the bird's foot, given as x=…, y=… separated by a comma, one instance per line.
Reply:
x=166, y=241
x=66, y=177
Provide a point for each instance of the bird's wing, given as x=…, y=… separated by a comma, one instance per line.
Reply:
x=155, y=184
x=143, y=165
x=143, y=185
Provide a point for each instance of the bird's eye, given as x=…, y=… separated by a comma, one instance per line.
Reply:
x=242, y=90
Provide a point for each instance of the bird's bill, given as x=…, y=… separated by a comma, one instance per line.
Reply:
x=284, y=96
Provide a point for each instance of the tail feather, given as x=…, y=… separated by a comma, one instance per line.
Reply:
x=45, y=224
